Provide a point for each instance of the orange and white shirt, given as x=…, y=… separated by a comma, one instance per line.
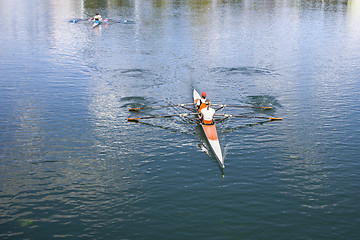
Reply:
x=201, y=104
x=200, y=101
x=208, y=114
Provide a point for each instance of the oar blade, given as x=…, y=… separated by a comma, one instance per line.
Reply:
x=133, y=119
x=275, y=119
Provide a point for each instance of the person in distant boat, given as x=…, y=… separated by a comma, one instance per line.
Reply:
x=207, y=113
x=97, y=17
x=201, y=102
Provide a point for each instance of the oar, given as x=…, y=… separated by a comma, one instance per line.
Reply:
x=240, y=106
x=243, y=116
x=174, y=115
x=221, y=119
x=174, y=105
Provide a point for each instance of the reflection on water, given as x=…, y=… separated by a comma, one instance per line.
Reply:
x=249, y=71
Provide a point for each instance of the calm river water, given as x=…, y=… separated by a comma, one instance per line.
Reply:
x=72, y=167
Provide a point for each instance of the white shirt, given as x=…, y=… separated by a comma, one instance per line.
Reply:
x=208, y=114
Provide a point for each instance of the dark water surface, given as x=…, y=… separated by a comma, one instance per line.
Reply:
x=72, y=167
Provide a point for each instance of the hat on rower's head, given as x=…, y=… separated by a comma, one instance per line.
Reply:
x=203, y=94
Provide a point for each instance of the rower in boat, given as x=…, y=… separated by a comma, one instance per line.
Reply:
x=97, y=20
x=201, y=102
x=209, y=125
x=97, y=17
x=207, y=113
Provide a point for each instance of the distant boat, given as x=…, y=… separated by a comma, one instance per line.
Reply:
x=96, y=23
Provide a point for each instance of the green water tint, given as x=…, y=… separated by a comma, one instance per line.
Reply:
x=26, y=222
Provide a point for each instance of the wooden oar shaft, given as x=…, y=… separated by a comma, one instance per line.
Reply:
x=165, y=116
x=173, y=105
x=240, y=106
x=244, y=116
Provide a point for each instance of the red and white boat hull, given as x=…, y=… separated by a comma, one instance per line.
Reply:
x=211, y=136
